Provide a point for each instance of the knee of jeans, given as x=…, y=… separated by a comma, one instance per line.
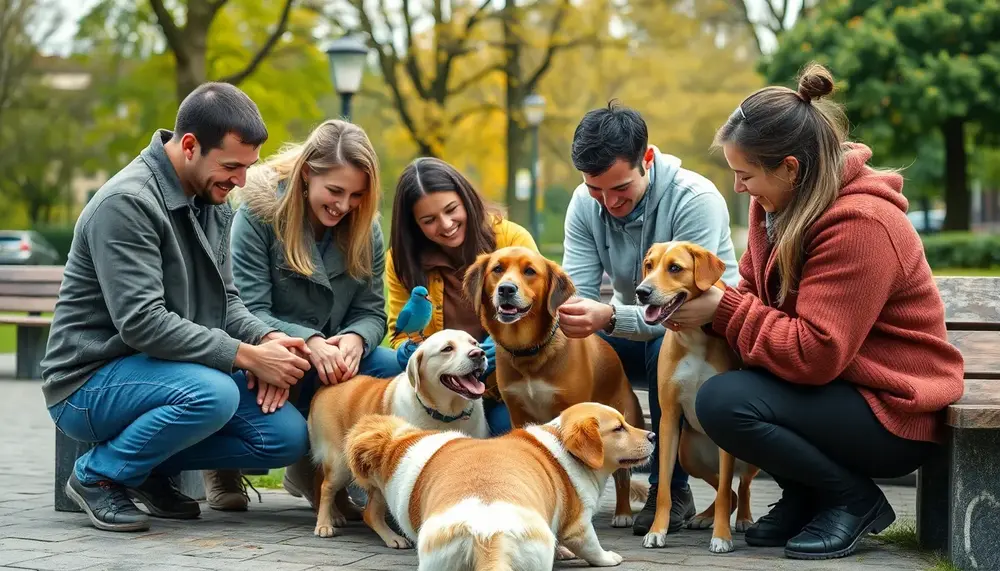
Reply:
x=717, y=401
x=291, y=438
x=217, y=394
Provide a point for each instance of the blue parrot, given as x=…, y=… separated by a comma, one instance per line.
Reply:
x=415, y=315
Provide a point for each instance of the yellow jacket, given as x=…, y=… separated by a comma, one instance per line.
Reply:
x=508, y=234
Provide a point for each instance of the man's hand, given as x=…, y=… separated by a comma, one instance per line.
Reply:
x=698, y=311
x=269, y=397
x=328, y=360
x=580, y=317
x=272, y=336
x=274, y=362
x=352, y=346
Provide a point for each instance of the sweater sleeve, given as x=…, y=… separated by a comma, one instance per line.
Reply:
x=848, y=275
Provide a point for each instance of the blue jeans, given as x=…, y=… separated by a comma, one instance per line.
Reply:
x=380, y=363
x=146, y=415
x=639, y=359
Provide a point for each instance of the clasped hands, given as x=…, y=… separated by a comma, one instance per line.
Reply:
x=580, y=317
x=279, y=361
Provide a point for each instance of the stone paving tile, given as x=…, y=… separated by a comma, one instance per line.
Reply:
x=276, y=534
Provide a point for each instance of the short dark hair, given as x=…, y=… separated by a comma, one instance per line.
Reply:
x=215, y=109
x=606, y=135
x=423, y=176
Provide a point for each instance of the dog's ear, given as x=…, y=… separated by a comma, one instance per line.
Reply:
x=583, y=440
x=367, y=444
x=413, y=367
x=561, y=287
x=472, y=283
x=708, y=268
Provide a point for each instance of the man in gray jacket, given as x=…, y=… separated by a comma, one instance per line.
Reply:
x=633, y=196
x=150, y=341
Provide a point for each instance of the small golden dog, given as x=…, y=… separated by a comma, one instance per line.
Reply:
x=674, y=273
x=540, y=372
x=501, y=503
x=440, y=389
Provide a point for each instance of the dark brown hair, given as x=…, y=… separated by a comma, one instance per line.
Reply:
x=776, y=122
x=425, y=176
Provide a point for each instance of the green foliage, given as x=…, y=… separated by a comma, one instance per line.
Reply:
x=962, y=250
x=60, y=236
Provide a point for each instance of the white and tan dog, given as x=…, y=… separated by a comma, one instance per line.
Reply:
x=501, y=503
x=674, y=273
x=440, y=389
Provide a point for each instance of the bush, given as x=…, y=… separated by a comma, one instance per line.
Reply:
x=962, y=250
x=61, y=237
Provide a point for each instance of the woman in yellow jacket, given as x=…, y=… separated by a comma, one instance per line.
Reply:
x=439, y=225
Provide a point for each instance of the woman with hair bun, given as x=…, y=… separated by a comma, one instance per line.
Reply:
x=838, y=322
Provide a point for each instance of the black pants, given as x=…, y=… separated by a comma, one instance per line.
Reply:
x=821, y=441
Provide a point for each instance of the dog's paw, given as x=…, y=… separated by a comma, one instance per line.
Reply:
x=397, y=542
x=654, y=539
x=338, y=520
x=699, y=522
x=720, y=545
x=325, y=531
x=563, y=553
x=621, y=521
x=607, y=559
x=742, y=525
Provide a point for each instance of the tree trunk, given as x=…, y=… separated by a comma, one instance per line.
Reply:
x=955, y=175
x=517, y=210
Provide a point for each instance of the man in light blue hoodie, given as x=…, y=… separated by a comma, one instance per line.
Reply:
x=633, y=196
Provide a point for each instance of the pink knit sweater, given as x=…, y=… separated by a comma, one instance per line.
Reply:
x=866, y=309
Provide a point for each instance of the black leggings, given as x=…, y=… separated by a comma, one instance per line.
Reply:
x=824, y=441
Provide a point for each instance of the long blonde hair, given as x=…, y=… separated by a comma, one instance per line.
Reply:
x=777, y=122
x=333, y=144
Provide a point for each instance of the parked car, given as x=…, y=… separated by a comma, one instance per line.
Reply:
x=927, y=221
x=26, y=247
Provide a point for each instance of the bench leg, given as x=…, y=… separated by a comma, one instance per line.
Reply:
x=67, y=452
x=933, y=501
x=975, y=492
x=31, y=341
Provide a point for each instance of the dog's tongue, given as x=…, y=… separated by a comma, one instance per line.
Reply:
x=508, y=309
x=652, y=312
x=472, y=384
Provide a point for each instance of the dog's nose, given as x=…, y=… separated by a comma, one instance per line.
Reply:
x=476, y=353
x=651, y=436
x=507, y=289
x=643, y=292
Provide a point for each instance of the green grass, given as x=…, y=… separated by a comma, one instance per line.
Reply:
x=989, y=272
x=903, y=534
x=269, y=482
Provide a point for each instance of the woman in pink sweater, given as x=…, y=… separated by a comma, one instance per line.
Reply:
x=837, y=319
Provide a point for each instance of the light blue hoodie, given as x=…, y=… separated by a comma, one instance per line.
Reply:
x=678, y=205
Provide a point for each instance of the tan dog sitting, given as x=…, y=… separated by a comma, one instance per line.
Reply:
x=540, y=372
x=501, y=503
x=674, y=273
x=440, y=389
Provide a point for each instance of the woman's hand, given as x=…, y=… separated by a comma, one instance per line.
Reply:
x=328, y=359
x=269, y=397
x=352, y=346
x=698, y=311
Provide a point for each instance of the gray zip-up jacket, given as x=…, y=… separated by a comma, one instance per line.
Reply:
x=679, y=205
x=330, y=301
x=148, y=272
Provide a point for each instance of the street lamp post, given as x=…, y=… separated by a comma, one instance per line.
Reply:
x=347, y=65
x=534, y=113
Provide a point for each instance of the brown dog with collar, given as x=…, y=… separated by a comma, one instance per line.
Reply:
x=541, y=372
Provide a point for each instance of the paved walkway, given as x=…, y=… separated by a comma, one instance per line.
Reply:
x=276, y=535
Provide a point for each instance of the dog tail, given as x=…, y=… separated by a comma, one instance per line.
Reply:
x=638, y=491
x=490, y=537
x=367, y=444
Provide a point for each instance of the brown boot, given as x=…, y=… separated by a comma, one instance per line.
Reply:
x=300, y=478
x=225, y=490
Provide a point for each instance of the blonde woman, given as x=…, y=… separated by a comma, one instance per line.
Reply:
x=308, y=259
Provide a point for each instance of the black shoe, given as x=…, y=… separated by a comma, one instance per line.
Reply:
x=107, y=505
x=835, y=532
x=681, y=510
x=163, y=499
x=785, y=520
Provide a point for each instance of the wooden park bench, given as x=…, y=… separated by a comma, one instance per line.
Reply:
x=30, y=290
x=958, y=491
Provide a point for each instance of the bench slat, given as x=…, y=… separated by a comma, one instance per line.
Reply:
x=22, y=303
x=981, y=351
x=970, y=300
x=49, y=274
x=26, y=320
x=29, y=289
x=978, y=416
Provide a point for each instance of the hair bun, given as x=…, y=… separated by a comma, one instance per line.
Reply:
x=815, y=81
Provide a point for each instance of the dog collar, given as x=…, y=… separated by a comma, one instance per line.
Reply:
x=532, y=351
x=441, y=417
